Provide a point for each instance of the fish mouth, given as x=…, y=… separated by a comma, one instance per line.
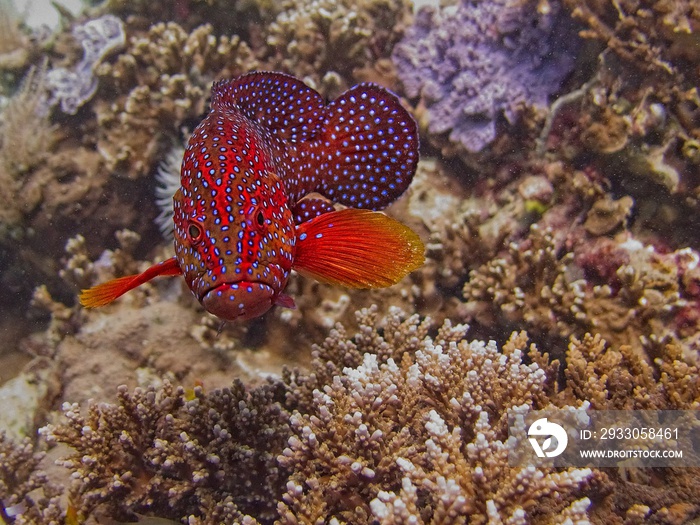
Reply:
x=239, y=300
x=243, y=298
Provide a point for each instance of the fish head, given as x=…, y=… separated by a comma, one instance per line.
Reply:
x=234, y=232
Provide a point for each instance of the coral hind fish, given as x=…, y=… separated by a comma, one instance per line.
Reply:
x=259, y=180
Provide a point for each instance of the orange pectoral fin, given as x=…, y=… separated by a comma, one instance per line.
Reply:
x=357, y=249
x=105, y=293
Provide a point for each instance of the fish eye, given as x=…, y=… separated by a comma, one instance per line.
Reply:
x=195, y=232
x=260, y=218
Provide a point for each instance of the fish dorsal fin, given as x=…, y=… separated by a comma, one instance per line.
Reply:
x=367, y=152
x=284, y=105
x=357, y=249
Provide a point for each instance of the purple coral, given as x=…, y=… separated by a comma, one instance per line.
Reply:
x=475, y=60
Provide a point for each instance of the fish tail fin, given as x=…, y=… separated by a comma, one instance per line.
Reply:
x=357, y=249
x=105, y=293
x=367, y=151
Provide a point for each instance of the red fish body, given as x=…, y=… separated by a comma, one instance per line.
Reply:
x=244, y=216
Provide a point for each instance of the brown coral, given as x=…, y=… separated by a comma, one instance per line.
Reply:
x=432, y=421
x=26, y=495
x=398, y=423
x=162, y=80
x=329, y=42
x=535, y=284
x=14, y=44
x=176, y=454
x=26, y=139
x=606, y=376
x=639, y=112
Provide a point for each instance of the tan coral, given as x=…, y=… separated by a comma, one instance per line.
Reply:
x=25, y=490
x=548, y=291
x=26, y=138
x=398, y=423
x=312, y=38
x=157, y=449
x=14, y=43
x=162, y=79
x=605, y=376
x=434, y=419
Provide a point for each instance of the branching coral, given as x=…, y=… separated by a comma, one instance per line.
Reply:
x=650, y=34
x=26, y=495
x=433, y=421
x=81, y=272
x=313, y=38
x=399, y=423
x=161, y=80
x=472, y=62
x=624, y=291
x=639, y=113
x=176, y=454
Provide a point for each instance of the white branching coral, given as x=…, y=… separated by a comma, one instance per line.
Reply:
x=422, y=438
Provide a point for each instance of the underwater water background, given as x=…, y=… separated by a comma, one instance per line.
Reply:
x=556, y=196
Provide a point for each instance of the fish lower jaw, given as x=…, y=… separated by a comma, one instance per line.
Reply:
x=239, y=300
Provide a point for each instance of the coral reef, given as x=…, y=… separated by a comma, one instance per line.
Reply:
x=473, y=62
x=565, y=235
x=625, y=291
x=398, y=423
x=654, y=35
x=161, y=81
x=157, y=452
x=331, y=43
x=636, y=119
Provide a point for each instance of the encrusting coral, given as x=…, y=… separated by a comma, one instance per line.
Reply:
x=487, y=59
